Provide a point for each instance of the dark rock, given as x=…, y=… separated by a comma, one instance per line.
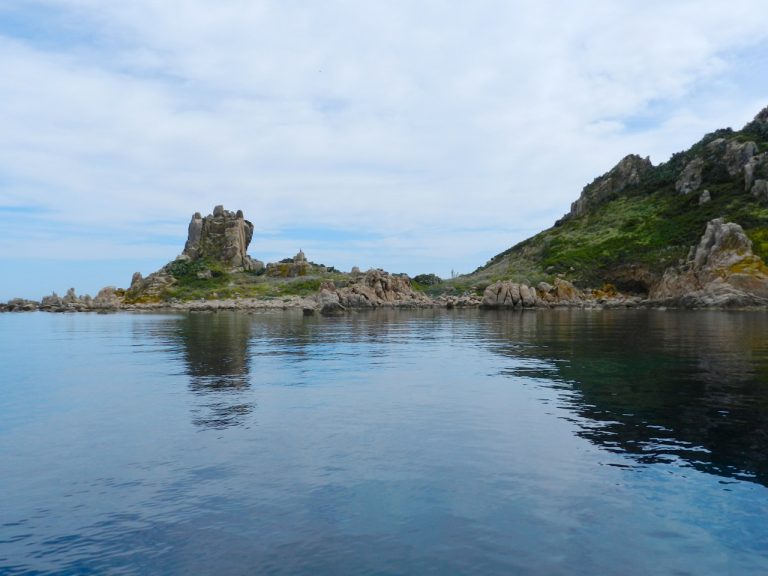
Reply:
x=332, y=309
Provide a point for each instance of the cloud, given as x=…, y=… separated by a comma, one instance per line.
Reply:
x=380, y=119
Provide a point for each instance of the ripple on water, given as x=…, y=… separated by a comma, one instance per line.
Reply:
x=411, y=442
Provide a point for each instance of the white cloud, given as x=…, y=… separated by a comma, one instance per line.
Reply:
x=382, y=117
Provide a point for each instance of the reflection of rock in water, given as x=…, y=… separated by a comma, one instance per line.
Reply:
x=658, y=386
x=216, y=355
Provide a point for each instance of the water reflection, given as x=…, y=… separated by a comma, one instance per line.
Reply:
x=215, y=352
x=659, y=386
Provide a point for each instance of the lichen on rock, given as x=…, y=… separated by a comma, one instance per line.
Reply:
x=720, y=271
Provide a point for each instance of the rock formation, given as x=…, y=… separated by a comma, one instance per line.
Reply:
x=374, y=289
x=70, y=302
x=691, y=177
x=720, y=271
x=626, y=173
x=511, y=295
x=292, y=267
x=729, y=157
x=19, y=305
x=223, y=237
x=507, y=294
x=760, y=190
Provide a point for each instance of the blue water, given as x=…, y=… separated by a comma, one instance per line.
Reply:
x=422, y=442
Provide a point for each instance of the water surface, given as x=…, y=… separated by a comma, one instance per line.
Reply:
x=423, y=442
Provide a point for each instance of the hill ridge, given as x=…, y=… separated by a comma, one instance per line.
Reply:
x=636, y=220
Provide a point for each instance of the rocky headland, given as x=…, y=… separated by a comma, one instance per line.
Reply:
x=691, y=232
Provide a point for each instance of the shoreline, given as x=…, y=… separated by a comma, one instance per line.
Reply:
x=310, y=306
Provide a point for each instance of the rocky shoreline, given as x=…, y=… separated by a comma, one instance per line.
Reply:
x=721, y=271
x=501, y=295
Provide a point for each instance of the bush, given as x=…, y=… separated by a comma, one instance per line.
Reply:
x=427, y=279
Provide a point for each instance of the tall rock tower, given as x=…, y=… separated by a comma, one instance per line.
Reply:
x=224, y=237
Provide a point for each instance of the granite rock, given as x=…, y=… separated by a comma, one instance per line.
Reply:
x=721, y=270
x=626, y=173
x=223, y=236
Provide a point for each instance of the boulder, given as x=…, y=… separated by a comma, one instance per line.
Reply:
x=737, y=155
x=508, y=294
x=19, y=305
x=691, y=177
x=756, y=167
x=760, y=190
x=373, y=289
x=720, y=271
x=502, y=294
x=527, y=296
x=565, y=291
x=106, y=299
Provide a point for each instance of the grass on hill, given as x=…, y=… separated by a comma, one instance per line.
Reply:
x=648, y=226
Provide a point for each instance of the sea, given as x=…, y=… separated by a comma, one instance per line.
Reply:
x=389, y=442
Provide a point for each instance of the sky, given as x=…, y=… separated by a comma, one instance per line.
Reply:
x=411, y=136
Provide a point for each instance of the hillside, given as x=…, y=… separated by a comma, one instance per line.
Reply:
x=636, y=220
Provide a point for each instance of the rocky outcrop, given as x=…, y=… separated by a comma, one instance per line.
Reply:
x=513, y=296
x=721, y=156
x=450, y=301
x=755, y=168
x=296, y=266
x=70, y=302
x=374, y=289
x=626, y=173
x=691, y=177
x=19, y=305
x=508, y=294
x=223, y=237
x=107, y=299
x=153, y=287
x=720, y=271
x=735, y=155
x=760, y=190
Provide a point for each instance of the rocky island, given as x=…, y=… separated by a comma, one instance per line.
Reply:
x=691, y=232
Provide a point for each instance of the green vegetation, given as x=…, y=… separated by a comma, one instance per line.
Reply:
x=243, y=285
x=634, y=236
x=210, y=280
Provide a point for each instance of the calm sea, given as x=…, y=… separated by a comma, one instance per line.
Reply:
x=412, y=442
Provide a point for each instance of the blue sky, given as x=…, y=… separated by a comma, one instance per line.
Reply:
x=416, y=137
